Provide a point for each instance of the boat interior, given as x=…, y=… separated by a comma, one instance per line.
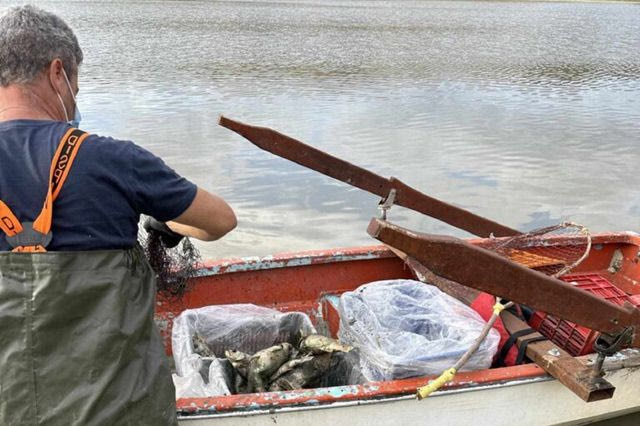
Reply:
x=312, y=282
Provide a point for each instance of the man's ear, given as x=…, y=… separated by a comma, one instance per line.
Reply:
x=55, y=75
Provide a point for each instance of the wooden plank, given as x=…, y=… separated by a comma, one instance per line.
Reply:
x=572, y=373
x=472, y=266
x=293, y=150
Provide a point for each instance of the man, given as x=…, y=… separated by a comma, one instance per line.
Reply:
x=77, y=339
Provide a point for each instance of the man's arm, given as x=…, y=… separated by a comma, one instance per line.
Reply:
x=208, y=218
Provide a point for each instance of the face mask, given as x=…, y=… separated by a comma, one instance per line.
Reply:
x=76, y=116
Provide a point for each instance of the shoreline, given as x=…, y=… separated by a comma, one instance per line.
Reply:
x=485, y=1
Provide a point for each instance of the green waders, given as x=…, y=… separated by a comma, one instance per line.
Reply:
x=78, y=344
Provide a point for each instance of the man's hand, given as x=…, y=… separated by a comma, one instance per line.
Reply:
x=168, y=237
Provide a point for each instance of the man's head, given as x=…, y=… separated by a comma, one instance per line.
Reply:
x=39, y=53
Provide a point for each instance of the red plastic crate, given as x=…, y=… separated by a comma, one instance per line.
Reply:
x=573, y=338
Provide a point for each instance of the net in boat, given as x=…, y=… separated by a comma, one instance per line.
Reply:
x=174, y=267
x=554, y=250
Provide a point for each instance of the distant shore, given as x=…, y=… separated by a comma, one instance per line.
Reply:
x=505, y=1
x=567, y=1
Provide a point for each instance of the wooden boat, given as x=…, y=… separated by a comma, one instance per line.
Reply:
x=312, y=281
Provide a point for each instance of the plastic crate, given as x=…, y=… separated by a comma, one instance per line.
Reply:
x=573, y=338
x=532, y=260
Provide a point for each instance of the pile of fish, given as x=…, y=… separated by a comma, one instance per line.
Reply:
x=281, y=367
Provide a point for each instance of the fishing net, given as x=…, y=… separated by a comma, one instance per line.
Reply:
x=554, y=250
x=174, y=267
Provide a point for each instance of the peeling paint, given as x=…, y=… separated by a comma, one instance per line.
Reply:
x=333, y=392
x=163, y=324
x=254, y=265
x=289, y=260
x=616, y=262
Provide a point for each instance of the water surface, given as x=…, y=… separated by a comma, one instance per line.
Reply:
x=524, y=112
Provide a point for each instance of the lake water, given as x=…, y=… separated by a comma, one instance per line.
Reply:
x=524, y=112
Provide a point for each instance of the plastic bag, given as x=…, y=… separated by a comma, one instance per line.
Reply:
x=193, y=385
x=243, y=327
x=406, y=328
x=190, y=383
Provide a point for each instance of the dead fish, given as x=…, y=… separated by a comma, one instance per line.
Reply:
x=240, y=383
x=290, y=365
x=319, y=344
x=264, y=363
x=303, y=375
x=239, y=361
x=201, y=347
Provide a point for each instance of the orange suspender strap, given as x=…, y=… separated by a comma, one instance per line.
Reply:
x=60, y=166
x=8, y=222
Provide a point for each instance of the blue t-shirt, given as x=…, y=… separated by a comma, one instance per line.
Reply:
x=109, y=185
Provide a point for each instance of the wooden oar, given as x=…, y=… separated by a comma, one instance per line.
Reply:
x=404, y=195
x=572, y=373
x=472, y=266
x=463, y=293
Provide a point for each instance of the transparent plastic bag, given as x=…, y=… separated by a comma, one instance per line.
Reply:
x=406, y=328
x=193, y=385
x=242, y=327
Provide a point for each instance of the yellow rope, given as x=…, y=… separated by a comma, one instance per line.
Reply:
x=449, y=374
x=436, y=384
x=498, y=307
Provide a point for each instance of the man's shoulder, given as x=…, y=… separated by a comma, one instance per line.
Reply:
x=108, y=153
x=105, y=156
x=107, y=145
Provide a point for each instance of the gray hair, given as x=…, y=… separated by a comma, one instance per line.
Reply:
x=30, y=38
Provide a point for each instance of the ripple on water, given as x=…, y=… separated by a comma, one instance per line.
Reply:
x=524, y=112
